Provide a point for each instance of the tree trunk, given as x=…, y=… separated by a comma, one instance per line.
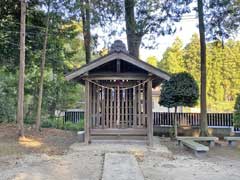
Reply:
x=39, y=108
x=203, y=114
x=85, y=14
x=133, y=38
x=20, y=107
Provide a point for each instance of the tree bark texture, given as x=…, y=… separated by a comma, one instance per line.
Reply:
x=39, y=107
x=133, y=38
x=85, y=15
x=203, y=100
x=20, y=107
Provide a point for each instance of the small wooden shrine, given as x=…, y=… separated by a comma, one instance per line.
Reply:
x=118, y=90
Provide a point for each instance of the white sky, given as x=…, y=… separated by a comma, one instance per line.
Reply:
x=185, y=29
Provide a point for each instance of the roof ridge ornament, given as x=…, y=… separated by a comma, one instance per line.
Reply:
x=118, y=46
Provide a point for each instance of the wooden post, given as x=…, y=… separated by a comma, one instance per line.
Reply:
x=122, y=108
x=118, y=107
x=98, y=107
x=107, y=109
x=139, y=107
x=126, y=111
x=86, y=117
x=94, y=105
x=90, y=116
x=111, y=108
x=103, y=108
x=144, y=105
x=149, y=112
x=134, y=108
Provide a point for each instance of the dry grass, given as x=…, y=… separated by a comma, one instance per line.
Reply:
x=29, y=142
x=49, y=141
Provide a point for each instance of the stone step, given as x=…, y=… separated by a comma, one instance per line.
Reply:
x=119, y=166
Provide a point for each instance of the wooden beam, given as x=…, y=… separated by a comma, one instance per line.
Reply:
x=116, y=131
x=118, y=66
x=117, y=76
x=149, y=113
x=86, y=119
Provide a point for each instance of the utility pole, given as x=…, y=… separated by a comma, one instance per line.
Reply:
x=21, y=70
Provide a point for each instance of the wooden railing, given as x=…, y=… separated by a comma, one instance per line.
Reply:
x=192, y=119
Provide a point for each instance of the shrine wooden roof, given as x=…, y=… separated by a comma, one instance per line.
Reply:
x=118, y=61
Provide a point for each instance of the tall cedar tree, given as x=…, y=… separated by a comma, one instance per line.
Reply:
x=20, y=109
x=85, y=16
x=42, y=67
x=151, y=17
x=203, y=99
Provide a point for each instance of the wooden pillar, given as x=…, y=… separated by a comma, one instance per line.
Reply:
x=86, y=117
x=134, y=108
x=149, y=113
x=139, y=107
x=118, y=107
x=93, y=106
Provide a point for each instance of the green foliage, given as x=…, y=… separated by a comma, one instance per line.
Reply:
x=236, y=117
x=172, y=60
x=64, y=52
x=74, y=126
x=59, y=123
x=223, y=78
x=8, y=91
x=180, y=90
x=152, y=60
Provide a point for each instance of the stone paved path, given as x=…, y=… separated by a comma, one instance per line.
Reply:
x=119, y=166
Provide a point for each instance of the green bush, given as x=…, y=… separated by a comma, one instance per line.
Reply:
x=58, y=123
x=74, y=126
x=47, y=124
x=236, y=117
x=53, y=123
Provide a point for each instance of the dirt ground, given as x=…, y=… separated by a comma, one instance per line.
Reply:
x=56, y=154
x=48, y=141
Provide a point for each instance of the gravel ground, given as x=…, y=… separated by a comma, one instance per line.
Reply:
x=85, y=162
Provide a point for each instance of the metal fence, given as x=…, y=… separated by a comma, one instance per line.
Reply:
x=192, y=119
x=165, y=119
x=74, y=116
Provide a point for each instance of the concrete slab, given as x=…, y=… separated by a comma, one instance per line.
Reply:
x=119, y=166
